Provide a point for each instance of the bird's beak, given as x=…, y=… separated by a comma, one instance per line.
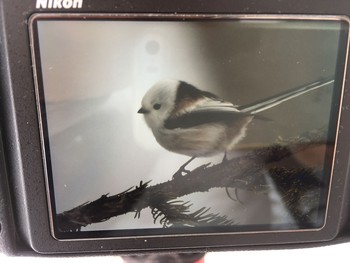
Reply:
x=142, y=111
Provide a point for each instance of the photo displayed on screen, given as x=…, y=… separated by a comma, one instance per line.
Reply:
x=166, y=125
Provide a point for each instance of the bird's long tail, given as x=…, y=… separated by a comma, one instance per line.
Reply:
x=275, y=100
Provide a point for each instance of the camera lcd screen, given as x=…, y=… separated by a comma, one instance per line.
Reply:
x=157, y=125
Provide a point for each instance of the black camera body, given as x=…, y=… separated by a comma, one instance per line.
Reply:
x=73, y=73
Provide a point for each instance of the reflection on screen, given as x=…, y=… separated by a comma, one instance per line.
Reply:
x=256, y=102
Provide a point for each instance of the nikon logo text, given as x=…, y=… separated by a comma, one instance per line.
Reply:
x=66, y=4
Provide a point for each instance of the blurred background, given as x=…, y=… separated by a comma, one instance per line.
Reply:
x=95, y=74
x=321, y=254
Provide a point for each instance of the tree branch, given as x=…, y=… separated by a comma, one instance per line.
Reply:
x=246, y=172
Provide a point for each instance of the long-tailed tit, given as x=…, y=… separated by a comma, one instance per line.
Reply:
x=189, y=121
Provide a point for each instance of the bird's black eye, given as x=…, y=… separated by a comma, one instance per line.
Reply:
x=156, y=106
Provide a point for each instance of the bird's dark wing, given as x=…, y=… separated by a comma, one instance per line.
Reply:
x=186, y=91
x=196, y=118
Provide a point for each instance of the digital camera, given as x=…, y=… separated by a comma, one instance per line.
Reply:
x=173, y=126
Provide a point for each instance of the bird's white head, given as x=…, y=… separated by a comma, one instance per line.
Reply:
x=159, y=102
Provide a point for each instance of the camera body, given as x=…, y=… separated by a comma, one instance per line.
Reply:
x=32, y=186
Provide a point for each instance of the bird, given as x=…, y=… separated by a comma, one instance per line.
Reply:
x=189, y=121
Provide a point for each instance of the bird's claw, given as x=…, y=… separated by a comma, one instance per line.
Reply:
x=202, y=167
x=182, y=170
x=180, y=173
x=224, y=159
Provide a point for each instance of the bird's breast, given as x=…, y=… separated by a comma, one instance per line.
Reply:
x=204, y=140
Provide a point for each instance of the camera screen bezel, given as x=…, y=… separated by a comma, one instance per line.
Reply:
x=22, y=137
x=143, y=17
